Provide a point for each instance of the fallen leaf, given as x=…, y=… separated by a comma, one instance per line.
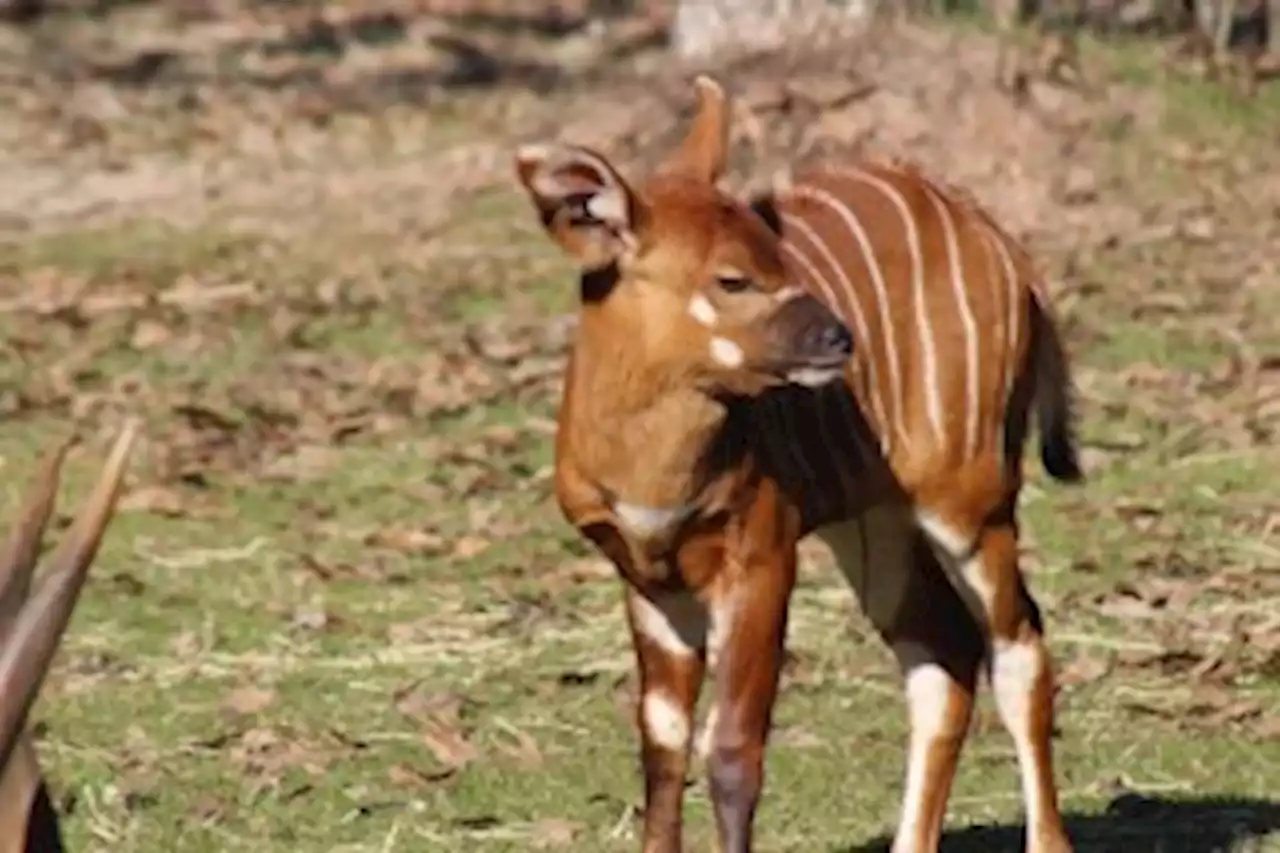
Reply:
x=267, y=753
x=448, y=744
x=440, y=713
x=149, y=333
x=207, y=808
x=159, y=500
x=406, y=776
x=549, y=833
x=411, y=540
x=518, y=744
x=1083, y=669
x=467, y=547
x=316, y=619
x=248, y=700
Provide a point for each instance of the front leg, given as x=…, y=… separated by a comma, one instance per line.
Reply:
x=669, y=633
x=749, y=626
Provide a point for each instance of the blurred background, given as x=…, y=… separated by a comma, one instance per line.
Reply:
x=338, y=609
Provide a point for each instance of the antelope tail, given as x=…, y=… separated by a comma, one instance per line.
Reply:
x=1053, y=398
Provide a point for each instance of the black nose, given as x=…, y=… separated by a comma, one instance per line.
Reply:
x=806, y=330
x=835, y=339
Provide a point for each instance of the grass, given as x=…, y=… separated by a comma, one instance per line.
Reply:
x=1189, y=102
x=339, y=611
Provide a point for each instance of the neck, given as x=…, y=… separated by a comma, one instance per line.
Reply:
x=644, y=441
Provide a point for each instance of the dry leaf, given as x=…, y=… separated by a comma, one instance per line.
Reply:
x=448, y=744
x=148, y=334
x=406, y=776
x=248, y=700
x=160, y=500
x=408, y=540
x=1083, y=669
x=552, y=833
x=518, y=744
x=440, y=714
x=470, y=546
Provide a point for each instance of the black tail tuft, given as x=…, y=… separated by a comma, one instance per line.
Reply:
x=1053, y=400
x=1058, y=451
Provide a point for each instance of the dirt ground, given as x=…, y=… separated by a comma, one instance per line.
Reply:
x=338, y=610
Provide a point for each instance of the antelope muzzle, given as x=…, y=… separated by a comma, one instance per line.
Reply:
x=809, y=344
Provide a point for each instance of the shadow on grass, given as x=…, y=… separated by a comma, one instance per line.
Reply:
x=1131, y=824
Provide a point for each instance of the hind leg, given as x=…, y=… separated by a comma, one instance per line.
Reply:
x=984, y=567
x=938, y=647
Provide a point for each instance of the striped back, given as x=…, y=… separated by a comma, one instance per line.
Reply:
x=937, y=297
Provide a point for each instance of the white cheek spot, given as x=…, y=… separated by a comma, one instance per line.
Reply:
x=665, y=722
x=677, y=624
x=726, y=353
x=701, y=309
x=788, y=293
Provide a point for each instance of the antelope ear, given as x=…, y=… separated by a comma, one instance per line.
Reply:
x=705, y=150
x=583, y=202
x=765, y=205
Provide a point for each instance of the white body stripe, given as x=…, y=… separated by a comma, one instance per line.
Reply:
x=999, y=331
x=923, y=410
x=955, y=263
x=1011, y=327
x=928, y=347
x=886, y=396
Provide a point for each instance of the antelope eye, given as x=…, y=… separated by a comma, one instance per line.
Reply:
x=734, y=283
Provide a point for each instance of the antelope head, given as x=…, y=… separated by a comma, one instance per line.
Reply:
x=691, y=279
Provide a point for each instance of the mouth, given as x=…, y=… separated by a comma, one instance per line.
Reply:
x=815, y=372
x=813, y=376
